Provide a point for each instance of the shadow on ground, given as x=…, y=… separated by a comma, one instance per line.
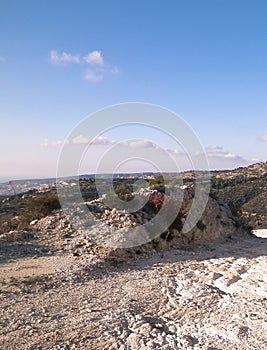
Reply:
x=10, y=251
x=249, y=247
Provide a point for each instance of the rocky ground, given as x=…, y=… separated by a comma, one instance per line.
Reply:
x=58, y=292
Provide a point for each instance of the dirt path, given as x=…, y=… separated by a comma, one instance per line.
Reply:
x=210, y=298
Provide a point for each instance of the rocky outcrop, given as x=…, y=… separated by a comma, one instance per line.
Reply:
x=217, y=224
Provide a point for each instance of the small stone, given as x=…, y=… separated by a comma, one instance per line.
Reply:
x=173, y=329
x=33, y=222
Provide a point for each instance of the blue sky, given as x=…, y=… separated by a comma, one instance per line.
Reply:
x=63, y=60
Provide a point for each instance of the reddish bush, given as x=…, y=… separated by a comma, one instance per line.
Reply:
x=156, y=200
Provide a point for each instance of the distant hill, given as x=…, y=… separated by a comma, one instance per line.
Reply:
x=245, y=191
x=15, y=187
x=252, y=171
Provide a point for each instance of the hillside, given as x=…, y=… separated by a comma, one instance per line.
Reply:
x=245, y=191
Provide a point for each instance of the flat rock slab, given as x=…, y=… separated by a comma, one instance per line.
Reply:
x=260, y=233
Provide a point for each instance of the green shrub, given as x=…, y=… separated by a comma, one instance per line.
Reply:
x=157, y=184
x=40, y=206
x=201, y=226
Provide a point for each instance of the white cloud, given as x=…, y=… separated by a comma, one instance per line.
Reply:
x=175, y=151
x=231, y=155
x=138, y=144
x=93, y=76
x=46, y=143
x=214, y=149
x=212, y=152
x=63, y=57
x=80, y=140
x=102, y=140
x=219, y=152
x=96, y=141
x=108, y=70
x=220, y=158
x=94, y=58
x=263, y=137
x=98, y=70
x=98, y=73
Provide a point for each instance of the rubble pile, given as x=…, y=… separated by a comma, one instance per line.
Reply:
x=217, y=224
x=118, y=218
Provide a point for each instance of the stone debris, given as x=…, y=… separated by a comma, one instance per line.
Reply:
x=118, y=218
